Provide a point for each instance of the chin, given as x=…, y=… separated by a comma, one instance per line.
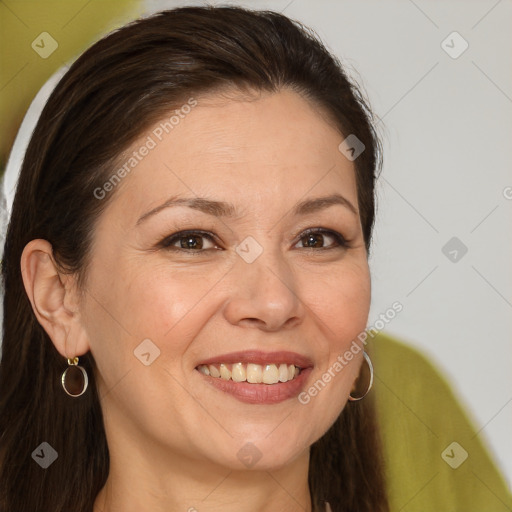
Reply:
x=261, y=453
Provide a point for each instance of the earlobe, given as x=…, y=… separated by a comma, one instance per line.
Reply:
x=50, y=292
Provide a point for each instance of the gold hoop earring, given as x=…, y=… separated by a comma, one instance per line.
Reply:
x=74, y=379
x=370, y=366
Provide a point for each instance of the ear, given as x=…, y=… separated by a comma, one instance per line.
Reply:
x=54, y=298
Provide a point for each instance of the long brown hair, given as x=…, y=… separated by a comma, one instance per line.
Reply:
x=112, y=93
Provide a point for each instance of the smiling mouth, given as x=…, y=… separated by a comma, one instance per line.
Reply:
x=251, y=373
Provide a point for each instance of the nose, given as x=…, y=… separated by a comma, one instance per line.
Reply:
x=264, y=294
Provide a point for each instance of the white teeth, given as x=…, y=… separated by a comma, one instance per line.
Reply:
x=270, y=374
x=283, y=373
x=238, y=373
x=252, y=373
x=204, y=369
x=214, y=371
x=225, y=373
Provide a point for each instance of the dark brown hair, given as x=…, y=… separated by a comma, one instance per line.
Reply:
x=115, y=91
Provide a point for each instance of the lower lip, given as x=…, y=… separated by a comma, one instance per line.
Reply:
x=260, y=393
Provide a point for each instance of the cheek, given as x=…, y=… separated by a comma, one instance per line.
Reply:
x=150, y=300
x=341, y=302
x=171, y=304
x=128, y=304
x=139, y=303
x=341, y=305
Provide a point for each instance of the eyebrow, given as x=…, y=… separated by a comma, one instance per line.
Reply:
x=223, y=209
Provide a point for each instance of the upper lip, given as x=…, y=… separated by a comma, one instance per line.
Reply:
x=259, y=357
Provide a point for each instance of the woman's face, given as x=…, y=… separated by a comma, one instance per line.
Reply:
x=249, y=285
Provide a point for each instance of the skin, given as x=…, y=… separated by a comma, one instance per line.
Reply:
x=173, y=439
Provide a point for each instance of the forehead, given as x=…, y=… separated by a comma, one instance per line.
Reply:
x=261, y=149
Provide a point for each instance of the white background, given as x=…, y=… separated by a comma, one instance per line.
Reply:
x=447, y=127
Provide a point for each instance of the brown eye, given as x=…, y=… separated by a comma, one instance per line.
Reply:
x=190, y=241
x=315, y=239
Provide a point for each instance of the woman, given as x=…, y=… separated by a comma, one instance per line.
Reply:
x=186, y=278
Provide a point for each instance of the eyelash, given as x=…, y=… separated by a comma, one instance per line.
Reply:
x=340, y=241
